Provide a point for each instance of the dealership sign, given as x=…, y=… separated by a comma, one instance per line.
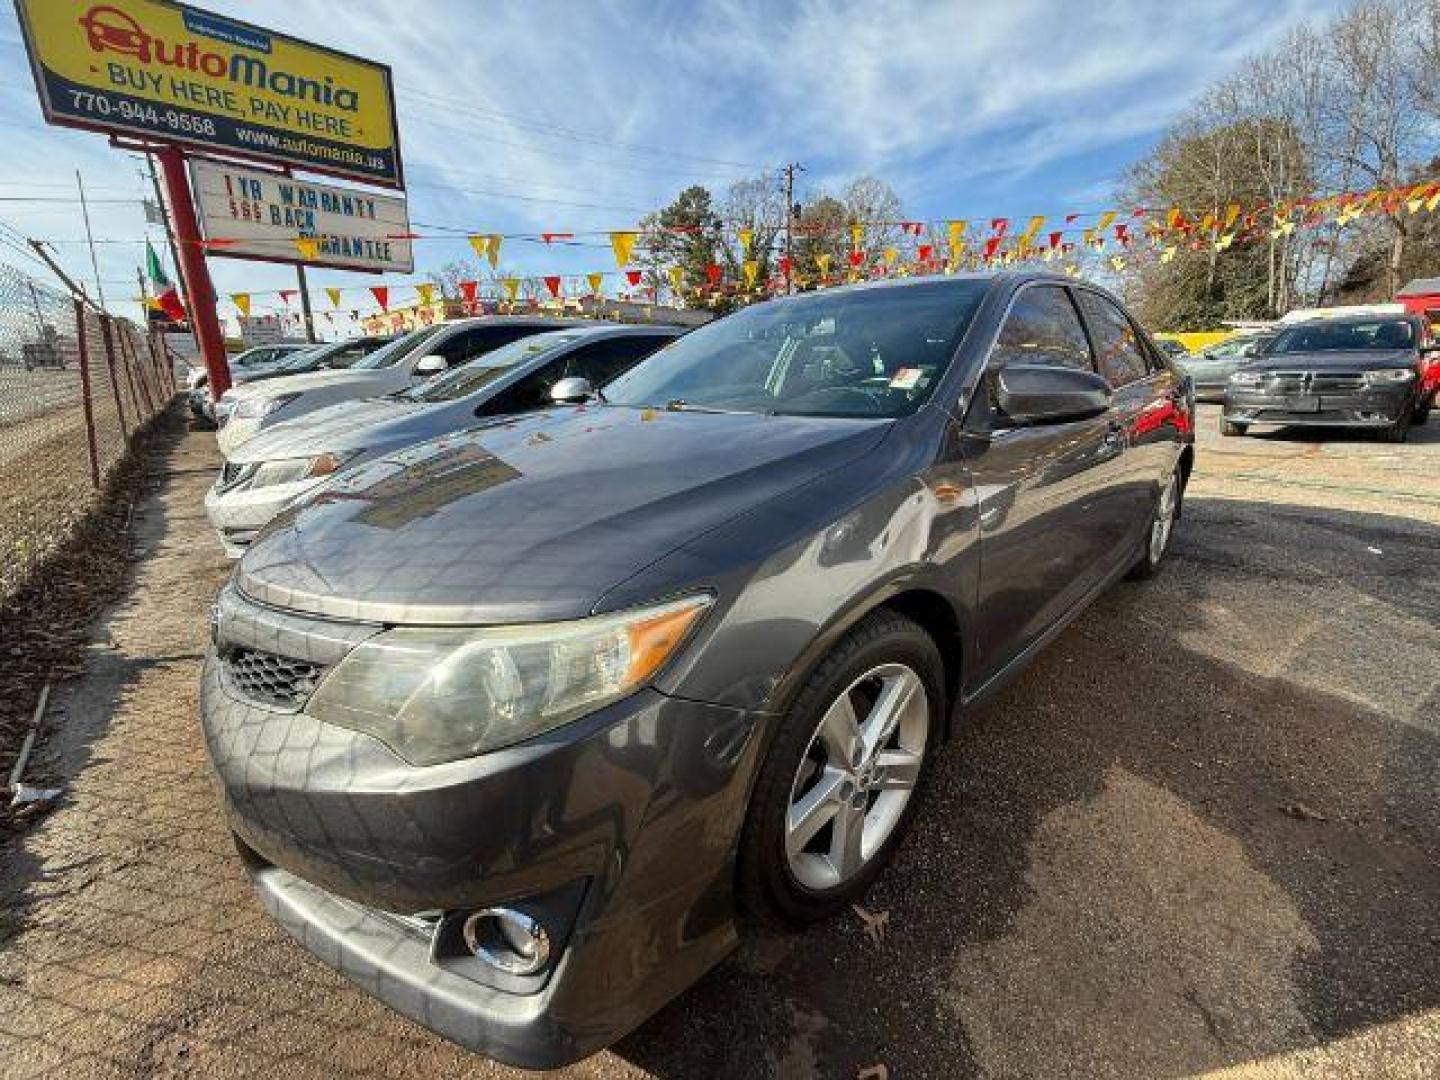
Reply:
x=181, y=75
x=261, y=215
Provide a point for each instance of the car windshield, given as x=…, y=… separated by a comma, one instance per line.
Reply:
x=1351, y=335
x=875, y=352
x=470, y=377
x=389, y=355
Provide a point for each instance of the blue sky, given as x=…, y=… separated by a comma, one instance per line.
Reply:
x=968, y=110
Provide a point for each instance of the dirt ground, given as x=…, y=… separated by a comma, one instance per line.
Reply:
x=1200, y=836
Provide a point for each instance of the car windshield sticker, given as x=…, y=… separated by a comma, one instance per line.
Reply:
x=907, y=378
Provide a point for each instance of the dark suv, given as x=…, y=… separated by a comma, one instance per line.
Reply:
x=1356, y=371
x=511, y=724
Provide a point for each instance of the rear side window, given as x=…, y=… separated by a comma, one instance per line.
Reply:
x=611, y=358
x=1042, y=328
x=1118, y=352
x=476, y=342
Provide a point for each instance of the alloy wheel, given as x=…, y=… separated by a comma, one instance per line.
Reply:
x=857, y=776
x=1164, y=522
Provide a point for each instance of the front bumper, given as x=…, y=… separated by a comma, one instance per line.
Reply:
x=1373, y=407
x=642, y=802
x=236, y=432
x=238, y=515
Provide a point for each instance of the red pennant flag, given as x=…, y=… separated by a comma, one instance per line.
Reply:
x=634, y=276
x=551, y=237
x=992, y=246
x=169, y=302
x=467, y=290
x=1055, y=238
x=924, y=252
x=999, y=226
x=856, y=258
x=1122, y=234
x=1070, y=219
x=785, y=264
x=553, y=284
x=286, y=295
x=713, y=273
x=914, y=227
x=382, y=296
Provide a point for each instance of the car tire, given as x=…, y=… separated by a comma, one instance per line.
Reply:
x=1162, y=528
x=794, y=867
x=1422, y=412
x=1229, y=427
x=1397, y=432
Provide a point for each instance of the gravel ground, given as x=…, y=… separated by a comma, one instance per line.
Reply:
x=1201, y=835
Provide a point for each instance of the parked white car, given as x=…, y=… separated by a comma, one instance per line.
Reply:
x=294, y=460
x=419, y=355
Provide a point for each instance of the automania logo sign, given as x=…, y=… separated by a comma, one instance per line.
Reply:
x=108, y=29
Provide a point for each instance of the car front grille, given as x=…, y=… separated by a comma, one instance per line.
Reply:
x=279, y=681
x=1315, y=382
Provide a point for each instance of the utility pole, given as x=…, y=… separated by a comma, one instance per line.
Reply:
x=790, y=208
x=305, y=303
x=169, y=230
x=90, y=238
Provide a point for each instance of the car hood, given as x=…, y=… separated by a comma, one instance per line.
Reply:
x=341, y=428
x=289, y=384
x=533, y=518
x=1334, y=360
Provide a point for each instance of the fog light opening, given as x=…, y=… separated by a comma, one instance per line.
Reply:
x=508, y=940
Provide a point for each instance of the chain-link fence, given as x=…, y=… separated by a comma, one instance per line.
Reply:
x=75, y=385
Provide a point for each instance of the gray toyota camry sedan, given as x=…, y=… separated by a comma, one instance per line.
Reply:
x=519, y=726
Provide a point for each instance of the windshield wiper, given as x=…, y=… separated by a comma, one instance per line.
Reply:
x=681, y=405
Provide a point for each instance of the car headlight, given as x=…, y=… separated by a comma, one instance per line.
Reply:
x=435, y=694
x=1388, y=375
x=289, y=470
x=1247, y=378
x=252, y=408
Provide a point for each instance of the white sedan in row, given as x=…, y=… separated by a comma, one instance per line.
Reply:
x=419, y=355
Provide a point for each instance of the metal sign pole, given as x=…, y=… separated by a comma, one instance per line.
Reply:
x=198, y=287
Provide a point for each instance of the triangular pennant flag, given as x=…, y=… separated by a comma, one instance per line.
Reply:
x=752, y=271
x=467, y=290
x=551, y=237
x=622, y=243
x=925, y=252
x=492, y=249
x=1032, y=228
x=1168, y=254
x=552, y=282
x=857, y=236
x=1117, y=261
x=308, y=246
x=890, y=255
x=481, y=244
x=823, y=262
x=241, y=300
x=511, y=286
x=746, y=237
x=634, y=276
x=286, y=295
x=426, y=292
x=1105, y=219
x=334, y=295
x=713, y=273
x=677, y=277
x=382, y=296
x=594, y=280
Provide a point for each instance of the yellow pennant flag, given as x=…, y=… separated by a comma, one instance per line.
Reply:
x=677, y=279
x=595, y=280
x=334, y=295
x=1168, y=253
x=308, y=247
x=492, y=249
x=623, y=243
x=481, y=244
x=1225, y=241
x=1106, y=220
x=1117, y=262
x=426, y=292
x=511, y=286
x=1032, y=229
x=752, y=271
x=746, y=237
x=1231, y=213
x=823, y=262
x=1434, y=200
x=955, y=230
x=857, y=236
x=891, y=254
x=241, y=300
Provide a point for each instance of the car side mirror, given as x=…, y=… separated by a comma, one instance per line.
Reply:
x=571, y=391
x=1043, y=394
x=433, y=364
x=1433, y=349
